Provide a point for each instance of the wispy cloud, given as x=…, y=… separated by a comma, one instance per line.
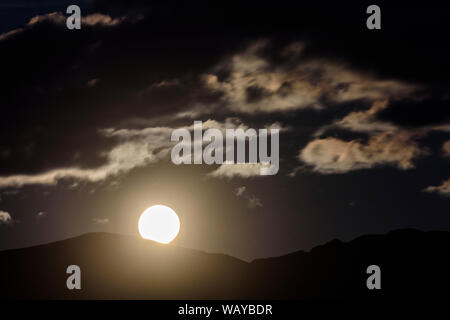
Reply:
x=125, y=156
x=365, y=121
x=252, y=200
x=257, y=85
x=41, y=215
x=5, y=217
x=101, y=221
x=241, y=170
x=57, y=18
x=332, y=155
x=446, y=148
x=135, y=148
x=443, y=189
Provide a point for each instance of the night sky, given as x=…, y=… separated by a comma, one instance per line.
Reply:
x=87, y=115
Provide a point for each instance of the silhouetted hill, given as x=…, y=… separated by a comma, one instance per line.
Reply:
x=413, y=264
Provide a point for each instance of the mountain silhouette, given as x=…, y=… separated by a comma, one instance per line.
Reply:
x=413, y=264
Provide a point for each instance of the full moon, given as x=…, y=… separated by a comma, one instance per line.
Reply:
x=159, y=223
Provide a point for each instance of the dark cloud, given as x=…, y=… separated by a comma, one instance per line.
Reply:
x=426, y=109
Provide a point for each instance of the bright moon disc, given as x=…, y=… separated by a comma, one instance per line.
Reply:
x=159, y=223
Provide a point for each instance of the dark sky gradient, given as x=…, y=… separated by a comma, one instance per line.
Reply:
x=60, y=88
